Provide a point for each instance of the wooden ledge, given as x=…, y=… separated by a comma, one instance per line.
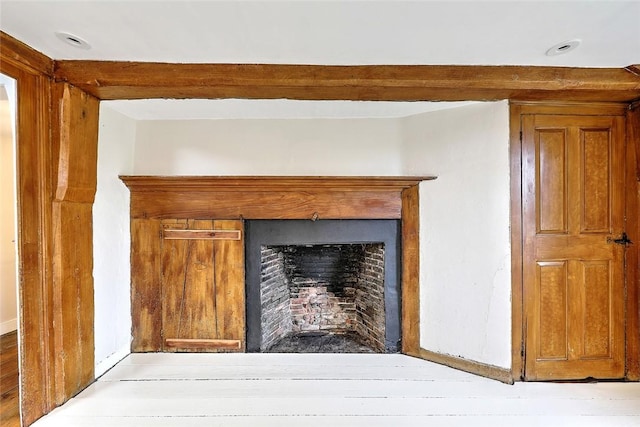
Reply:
x=268, y=197
x=270, y=183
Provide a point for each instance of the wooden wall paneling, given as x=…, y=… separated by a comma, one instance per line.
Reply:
x=138, y=80
x=229, y=271
x=410, y=300
x=73, y=243
x=632, y=252
x=146, y=296
x=203, y=290
x=517, y=320
x=188, y=287
x=34, y=231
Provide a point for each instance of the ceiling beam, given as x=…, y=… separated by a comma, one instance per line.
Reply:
x=139, y=80
x=13, y=50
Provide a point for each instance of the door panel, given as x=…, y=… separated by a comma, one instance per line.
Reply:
x=573, y=204
x=202, y=284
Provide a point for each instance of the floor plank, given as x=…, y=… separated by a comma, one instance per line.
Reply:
x=9, y=379
x=331, y=390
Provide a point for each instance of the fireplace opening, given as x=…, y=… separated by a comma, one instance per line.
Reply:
x=323, y=286
x=323, y=298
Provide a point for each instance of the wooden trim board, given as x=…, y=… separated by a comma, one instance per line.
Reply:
x=169, y=234
x=471, y=366
x=203, y=344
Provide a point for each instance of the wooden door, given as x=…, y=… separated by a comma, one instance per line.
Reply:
x=573, y=207
x=202, y=283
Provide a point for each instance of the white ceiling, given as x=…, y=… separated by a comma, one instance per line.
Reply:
x=331, y=33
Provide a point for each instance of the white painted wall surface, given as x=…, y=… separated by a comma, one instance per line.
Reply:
x=269, y=147
x=8, y=245
x=465, y=242
x=111, y=240
x=465, y=253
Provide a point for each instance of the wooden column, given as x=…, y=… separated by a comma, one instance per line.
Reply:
x=72, y=239
x=411, y=271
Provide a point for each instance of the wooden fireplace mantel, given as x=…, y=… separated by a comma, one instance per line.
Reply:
x=268, y=197
x=158, y=200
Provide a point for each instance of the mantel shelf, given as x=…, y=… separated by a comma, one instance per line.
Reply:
x=270, y=183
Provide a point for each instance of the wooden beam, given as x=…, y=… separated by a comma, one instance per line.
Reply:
x=139, y=80
x=12, y=50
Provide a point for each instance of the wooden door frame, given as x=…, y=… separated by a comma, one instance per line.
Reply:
x=632, y=194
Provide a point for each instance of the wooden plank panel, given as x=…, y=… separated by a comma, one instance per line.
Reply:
x=631, y=253
x=229, y=284
x=188, y=288
x=596, y=180
x=596, y=315
x=267, y=204
x=410, y=310
x=146, y=296
x=552, y=311
x=551, y=181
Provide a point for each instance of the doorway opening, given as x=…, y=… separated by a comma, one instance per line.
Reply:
x=9, y=306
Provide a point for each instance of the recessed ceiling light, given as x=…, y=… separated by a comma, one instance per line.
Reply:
x=563, y=47
x=73, y=40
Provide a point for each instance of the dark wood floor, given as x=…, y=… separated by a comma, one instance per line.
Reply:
x=9, y=398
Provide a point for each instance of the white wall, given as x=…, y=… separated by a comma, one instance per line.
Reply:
x=8, y=246
x=465, y=242
x=269, y=147
x=111, y=241
x=465, y=254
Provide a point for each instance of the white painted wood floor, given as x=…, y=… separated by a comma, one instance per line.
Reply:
x=331, y=390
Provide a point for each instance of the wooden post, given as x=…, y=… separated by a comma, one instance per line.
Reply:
x=72, y=239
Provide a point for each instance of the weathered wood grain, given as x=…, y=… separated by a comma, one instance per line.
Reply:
x=229, y=272
x=268, y=197
x=25, y=57
x=146, y=296
x=632, y=252
x=139, y=80
x=203, y=292
x=202, y=234
x=411, y=271
x=203, y=344
x=73, y=305
x=34, y=189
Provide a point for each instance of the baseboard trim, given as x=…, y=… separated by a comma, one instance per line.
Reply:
x=471, y=366
x=8, y=326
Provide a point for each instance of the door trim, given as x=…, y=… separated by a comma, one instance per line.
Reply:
x=632, y=175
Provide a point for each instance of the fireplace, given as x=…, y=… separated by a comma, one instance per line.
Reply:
x=221, y=296
x=323, y=286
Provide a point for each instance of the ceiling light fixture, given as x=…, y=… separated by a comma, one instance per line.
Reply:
x=564, y=47
x=73, y=40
